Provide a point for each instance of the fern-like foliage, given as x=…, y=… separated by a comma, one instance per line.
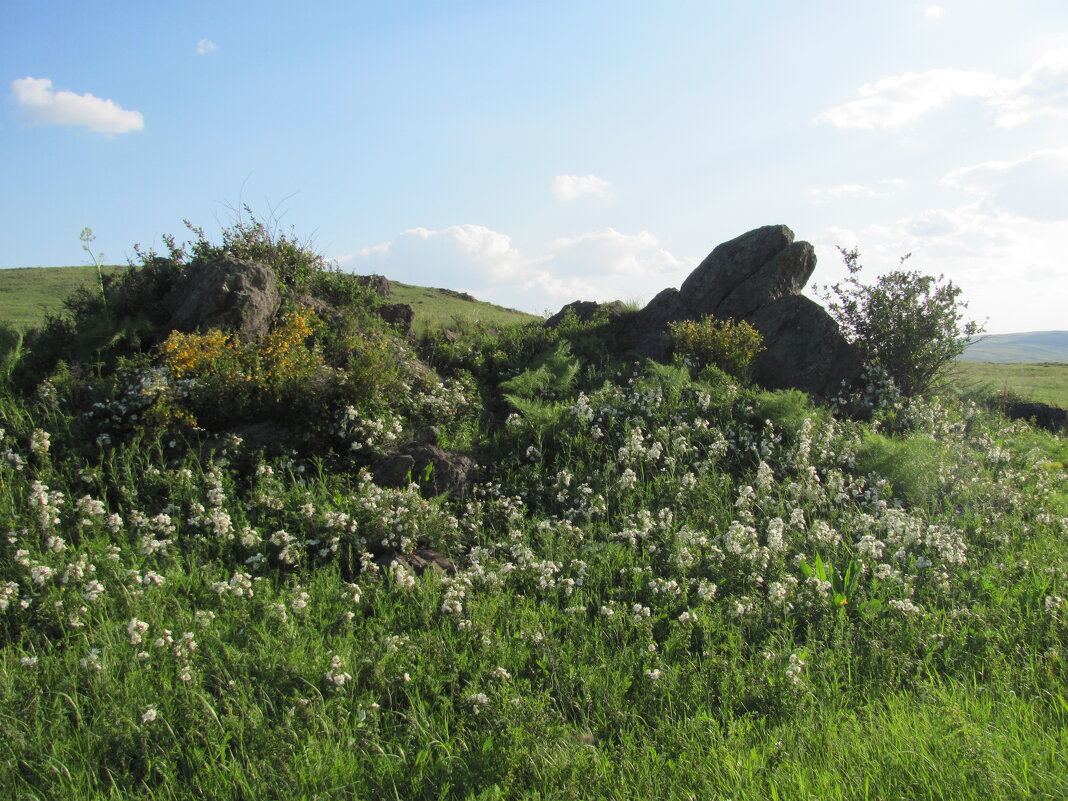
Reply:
x=538, y=394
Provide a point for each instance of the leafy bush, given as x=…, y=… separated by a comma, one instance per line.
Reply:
x=908, y=323
x=726, y=344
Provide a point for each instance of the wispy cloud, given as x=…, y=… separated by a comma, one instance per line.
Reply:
x=569, y=187
x=1034, y=187
x=205, y=46
x=901, y=99
x=599, y=265
x=889, y=186
x=934, y=12
x=39, y=103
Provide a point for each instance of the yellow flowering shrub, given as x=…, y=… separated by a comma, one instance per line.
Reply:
x=216, y=375
x=731, y=346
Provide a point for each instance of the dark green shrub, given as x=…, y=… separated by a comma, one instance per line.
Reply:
x=907, y=323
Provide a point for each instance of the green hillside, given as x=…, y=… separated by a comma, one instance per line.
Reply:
x=28, y=294
x=1027, y=347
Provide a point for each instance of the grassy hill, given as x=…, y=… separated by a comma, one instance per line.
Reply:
x=1024, y=348
x=28, y=294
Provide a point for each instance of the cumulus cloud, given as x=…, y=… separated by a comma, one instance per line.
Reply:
x=39, y=103
x=599, y=265
x=901, y=99
x=847, y=191
x=609, y=252
x=1011, y=270
x=934, y=12
x=205, y=46
x=1035, y=186
x=895, y=101
x=569, y=187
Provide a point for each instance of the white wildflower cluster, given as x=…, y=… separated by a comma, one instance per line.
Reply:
x=91, y=510
x=794, y=669
x=40, y=442
x=240, y=585
x=442, y=402
x=368, y=435
x=46, y=503
x=136, y=630
x=906, y=607
x=391, y=519
x=336, y=676
x=8, y=456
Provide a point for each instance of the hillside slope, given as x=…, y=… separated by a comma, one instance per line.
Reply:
x=29, y=294
x=1031, y=347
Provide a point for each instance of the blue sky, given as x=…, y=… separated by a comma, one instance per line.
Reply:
x=537, y=153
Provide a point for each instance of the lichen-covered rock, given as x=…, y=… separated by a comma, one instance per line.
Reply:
x=378, y=284
x=231, y=294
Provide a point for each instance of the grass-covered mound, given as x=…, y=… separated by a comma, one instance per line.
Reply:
x=667, y=584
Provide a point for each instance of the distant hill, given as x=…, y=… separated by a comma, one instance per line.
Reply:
x=1027, y=348
x=28, y=294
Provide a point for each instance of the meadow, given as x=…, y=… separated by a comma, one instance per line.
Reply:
x=665, y=582
x=1042, y=382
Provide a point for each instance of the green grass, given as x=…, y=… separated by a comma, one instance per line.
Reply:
x=27, y=295
x=1044, y=383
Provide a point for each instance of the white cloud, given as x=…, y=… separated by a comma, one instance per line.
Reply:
x=840, y=191
x=900, y=99
x=934, y=12
x=609, y=252
x=1034, y=187
x=205, y=46
x=569, y=187
x=1011, y=270
x=39, y=103
x=599, y=265
x=1042, y=91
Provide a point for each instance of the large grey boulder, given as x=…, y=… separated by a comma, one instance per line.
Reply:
x=782, y=276
x=804, y=348
x=231, y=294
x=757, y=277
x=731, y=264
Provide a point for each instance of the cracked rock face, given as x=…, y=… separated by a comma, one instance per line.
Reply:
x=757, y=277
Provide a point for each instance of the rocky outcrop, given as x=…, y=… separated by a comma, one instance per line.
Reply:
x=378, y=284
x=399, y=315
x=586, y=310
x=433, y=468
x=231, y=294
x=1051, y=418
x=757, y=277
